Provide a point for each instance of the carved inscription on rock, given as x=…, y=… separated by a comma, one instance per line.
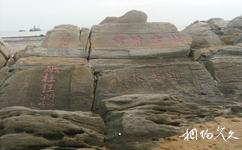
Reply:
x=48, y=82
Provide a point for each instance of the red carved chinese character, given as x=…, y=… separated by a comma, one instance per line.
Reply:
x=176, y=38
x=52, y=69
x=44, y=77
x=174, y=75
x=156, y=38
x=51, y=79
x=48, y=86
x=137, y=77
x=136, y=40
x=118, y=40
x=155, y=76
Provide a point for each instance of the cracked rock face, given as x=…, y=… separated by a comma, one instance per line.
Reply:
x=226, y=67
x=232, y=33
x=138, y=121
x=47, y=83
x=28, y=129
x=148, y=102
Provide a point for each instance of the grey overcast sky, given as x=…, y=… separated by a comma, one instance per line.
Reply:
x=23, y=14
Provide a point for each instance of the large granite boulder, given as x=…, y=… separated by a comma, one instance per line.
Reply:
x=28, y=129
x=184, y=78
x=48, y=83
x=138, y=40
x=138, y=121
x=226, y=68
x=202, y=35
x=233, y=31
x=133, y=16
x=144, y=101
x=217, y=25
x=67, y=37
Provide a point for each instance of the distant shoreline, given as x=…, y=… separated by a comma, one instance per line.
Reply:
x=27, y=34
x=14, y=37
x=17, y=43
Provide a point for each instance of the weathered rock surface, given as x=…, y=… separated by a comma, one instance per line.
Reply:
x=133, y=16
x=202, y=35
x=239, y=44
x=217, y=25
x=3, y=53
x=110, y=20
x=28, y=129
x=178, y=77
x=67, y=37
x=233, y=31
x=238, y=40
x=50, y=52
x=138, y=40
x=100, y=65
x=138, y=121
x=226, y=68
x=48, y=83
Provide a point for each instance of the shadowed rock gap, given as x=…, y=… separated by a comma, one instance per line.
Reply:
x=69, y=91
x=4, y=55
x=95, y=74
x=89, y=45
x=210, y=69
